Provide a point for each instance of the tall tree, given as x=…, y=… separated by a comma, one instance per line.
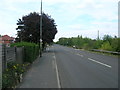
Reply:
x=29, y=28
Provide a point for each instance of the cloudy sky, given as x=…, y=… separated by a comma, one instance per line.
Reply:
x=73, y=17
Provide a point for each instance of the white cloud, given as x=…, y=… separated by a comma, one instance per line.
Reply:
x=8, y=29
x=65, y=13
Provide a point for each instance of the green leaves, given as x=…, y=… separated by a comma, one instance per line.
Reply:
x=31, y=50
x=29, y=28
x=106, y=46
x=108, y=43
x=11, y=75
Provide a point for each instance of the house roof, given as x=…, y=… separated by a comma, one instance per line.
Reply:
x=6, y=37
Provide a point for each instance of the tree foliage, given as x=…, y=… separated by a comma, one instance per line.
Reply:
x=107, y=43
x=29, y=28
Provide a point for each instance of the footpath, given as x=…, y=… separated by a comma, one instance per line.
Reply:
x=42, y=73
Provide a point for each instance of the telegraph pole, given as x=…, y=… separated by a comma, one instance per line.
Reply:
x=98, y=35
x=41, y=30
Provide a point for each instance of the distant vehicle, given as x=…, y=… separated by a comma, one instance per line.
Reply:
x=74, y=46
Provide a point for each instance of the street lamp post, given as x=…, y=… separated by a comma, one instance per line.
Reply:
x=41, y=30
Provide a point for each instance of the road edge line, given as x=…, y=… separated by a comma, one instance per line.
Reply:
x=57, y=73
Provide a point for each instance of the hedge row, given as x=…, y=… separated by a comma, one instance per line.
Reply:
x=31, y=50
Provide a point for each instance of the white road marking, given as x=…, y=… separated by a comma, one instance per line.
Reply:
x=58, y=79
x=80, y=55
x=100, y=63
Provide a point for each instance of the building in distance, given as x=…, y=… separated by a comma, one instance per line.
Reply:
x=5, y=39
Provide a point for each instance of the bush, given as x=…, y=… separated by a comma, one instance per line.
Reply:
x=31, y=50
x=106, y=46
x=107, y=43
x=11, y=76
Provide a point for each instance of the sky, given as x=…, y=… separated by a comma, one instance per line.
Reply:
x=72, y=17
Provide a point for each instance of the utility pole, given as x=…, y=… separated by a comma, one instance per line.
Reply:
x=41, y=30
x=98, y=34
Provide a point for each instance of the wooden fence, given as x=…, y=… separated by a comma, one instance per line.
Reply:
x=0, y=66
x=11, y=54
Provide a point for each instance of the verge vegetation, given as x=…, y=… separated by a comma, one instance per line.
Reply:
x=108, y=43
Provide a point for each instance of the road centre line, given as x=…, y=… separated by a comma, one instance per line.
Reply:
x=80, y=55
x=92, y=60
x=100, y=63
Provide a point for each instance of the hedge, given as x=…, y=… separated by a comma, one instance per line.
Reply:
x=31, y=50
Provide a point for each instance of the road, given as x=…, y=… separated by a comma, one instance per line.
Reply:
x=64, y=67
x=82, y=69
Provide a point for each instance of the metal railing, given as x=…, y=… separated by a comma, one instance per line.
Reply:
x=104, y=51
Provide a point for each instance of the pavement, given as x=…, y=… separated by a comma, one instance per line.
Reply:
x=42, y=73
x=64, y=67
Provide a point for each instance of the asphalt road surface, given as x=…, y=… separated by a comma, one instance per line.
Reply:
x=82, y=69
x=73, y=68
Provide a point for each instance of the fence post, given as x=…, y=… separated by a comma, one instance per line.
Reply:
x=23, y=53
x=19, y=54
x=4, y=62
x=15, y=53
x=0, y=66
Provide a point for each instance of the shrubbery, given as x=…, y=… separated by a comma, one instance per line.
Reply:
x=106, y=46
x=12, y=75
x=107, y=43
x=31, y=50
